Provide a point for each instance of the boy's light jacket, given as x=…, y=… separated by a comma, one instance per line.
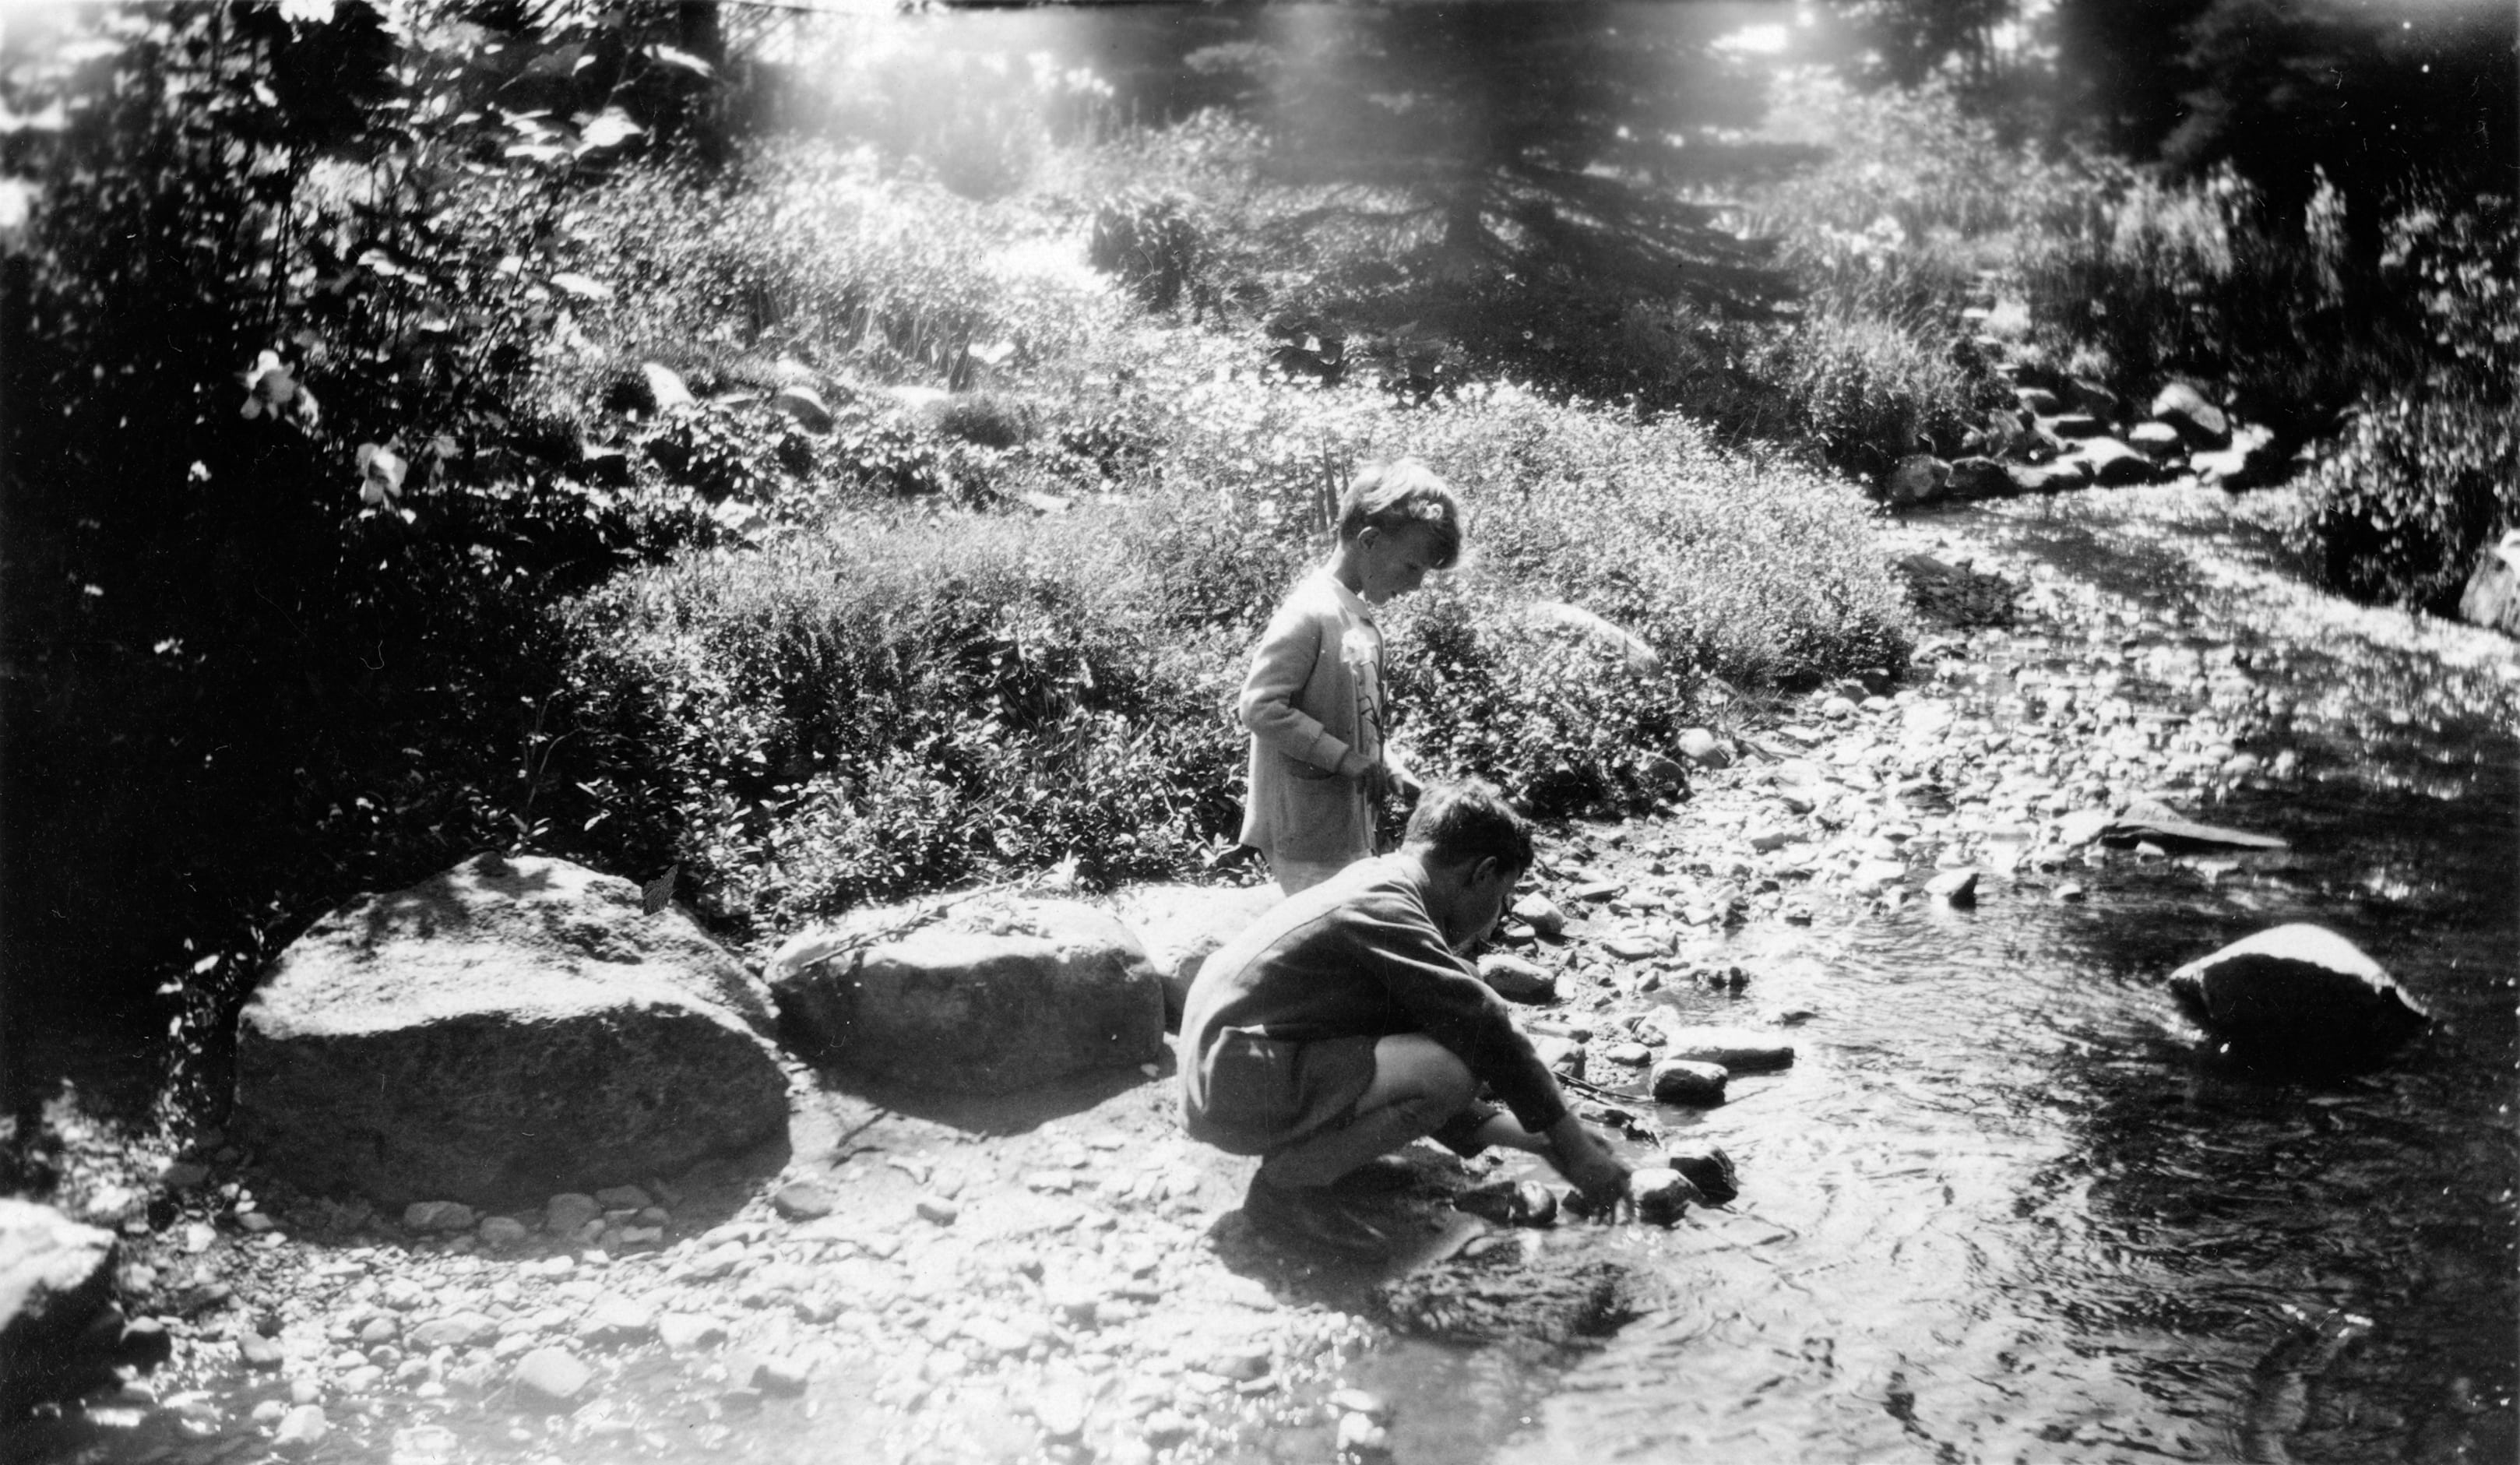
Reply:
x=1309, y=699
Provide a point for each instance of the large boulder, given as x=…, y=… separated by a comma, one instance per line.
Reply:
x=1181, y=925
x=2298, y=996
x=984, y=998
x=2493, y=594
x=508, y=1030
x=2198, y=421
x=55, y=1283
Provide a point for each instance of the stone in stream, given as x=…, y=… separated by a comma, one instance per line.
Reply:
x=1953, y=886
x=1662, y=1196
x=1682, y=1080
x=2299, y=996
x=508, y=1028
x=1516, y=980
x=1741, y=1050
x=987, y=998
x=2153, y=822
x=1708, y=1169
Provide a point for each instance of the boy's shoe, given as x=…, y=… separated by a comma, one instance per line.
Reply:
x=1311, y=1216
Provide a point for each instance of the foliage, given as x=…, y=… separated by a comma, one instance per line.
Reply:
x=2419, y=484
x=891, y=706
x=273, y=648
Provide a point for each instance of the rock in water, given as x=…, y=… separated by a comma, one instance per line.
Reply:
x=2299, y=996
x=503, y=1030
x=1741, y=1050
x=1680, y=1080
x=1708, y=1169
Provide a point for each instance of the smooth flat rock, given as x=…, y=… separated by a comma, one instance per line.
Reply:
x=1741, y=1050
x=2156, y=823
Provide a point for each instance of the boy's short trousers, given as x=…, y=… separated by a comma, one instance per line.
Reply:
x=1251, y=1095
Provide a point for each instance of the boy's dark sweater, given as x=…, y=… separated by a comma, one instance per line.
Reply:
x=1359, y=956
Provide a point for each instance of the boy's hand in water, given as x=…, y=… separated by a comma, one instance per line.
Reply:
x=1585, y=1159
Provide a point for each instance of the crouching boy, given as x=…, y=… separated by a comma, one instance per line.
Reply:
x=1341, y=1026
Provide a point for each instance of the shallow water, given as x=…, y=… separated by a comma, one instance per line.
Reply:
x=2003, y=1209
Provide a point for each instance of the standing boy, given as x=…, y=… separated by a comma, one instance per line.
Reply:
x=1342, y=1026
x=1314, y=699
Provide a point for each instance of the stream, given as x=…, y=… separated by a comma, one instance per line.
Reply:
x=2002, y=1207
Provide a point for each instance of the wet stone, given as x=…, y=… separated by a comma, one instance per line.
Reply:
x=1684, y=1081
x=1662, y=1196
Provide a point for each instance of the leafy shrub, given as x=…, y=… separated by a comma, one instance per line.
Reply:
x=890, y=705
x=2420, y=482
x=1867, y=391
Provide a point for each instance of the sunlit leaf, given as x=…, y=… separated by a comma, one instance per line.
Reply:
x=610, y=129
x=584, y=287
x=684, y=60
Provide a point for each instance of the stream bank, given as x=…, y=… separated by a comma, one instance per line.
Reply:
x=1998, y=1156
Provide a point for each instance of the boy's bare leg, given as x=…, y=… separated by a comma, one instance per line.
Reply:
x=1417, y=1084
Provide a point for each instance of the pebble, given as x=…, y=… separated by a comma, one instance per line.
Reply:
x=936, y=1208
x=803, y=1201
x=1541, y=914
x=553, y=1376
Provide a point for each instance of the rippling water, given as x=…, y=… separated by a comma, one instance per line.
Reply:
x=2002, y=1209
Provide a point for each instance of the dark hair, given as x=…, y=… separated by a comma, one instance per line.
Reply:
x=1463, y=823
x=1404, y=491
